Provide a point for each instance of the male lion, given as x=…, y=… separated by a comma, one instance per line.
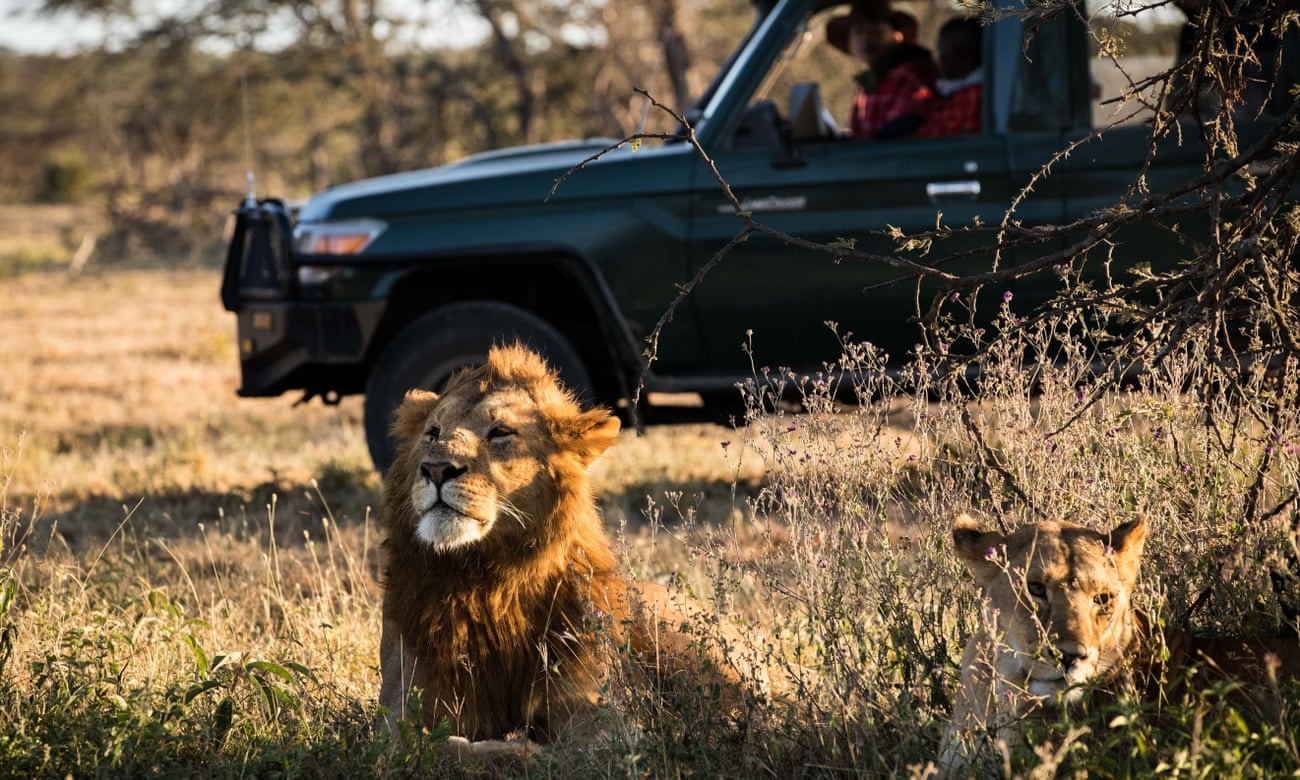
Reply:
x=500, y=588
x=1058, y=613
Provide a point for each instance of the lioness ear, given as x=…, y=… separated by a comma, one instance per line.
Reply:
x=973, y=543
x=408, y=419
x=588, y=434
x=1127, y=541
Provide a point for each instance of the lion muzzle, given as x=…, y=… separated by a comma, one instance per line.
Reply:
x=449, y=517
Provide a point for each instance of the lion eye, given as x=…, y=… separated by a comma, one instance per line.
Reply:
x=500, y=432
x=433, y=433
x=1038, y=590
x=1102, y=600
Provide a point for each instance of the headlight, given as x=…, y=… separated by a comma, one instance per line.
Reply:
x=345, y=237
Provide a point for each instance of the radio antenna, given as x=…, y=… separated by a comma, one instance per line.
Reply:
x=250, y=198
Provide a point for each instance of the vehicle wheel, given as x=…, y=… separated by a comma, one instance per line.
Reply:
x=430, y=349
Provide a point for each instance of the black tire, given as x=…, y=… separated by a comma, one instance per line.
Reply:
x=432, y=347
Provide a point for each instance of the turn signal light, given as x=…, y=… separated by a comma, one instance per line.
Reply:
x=348, y=237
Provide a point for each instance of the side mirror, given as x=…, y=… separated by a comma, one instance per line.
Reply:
x=809, y=119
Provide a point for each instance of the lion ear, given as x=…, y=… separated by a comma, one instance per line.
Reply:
x=589, y=434
x=974, y=543
x=409, y=417
x=1127, y=541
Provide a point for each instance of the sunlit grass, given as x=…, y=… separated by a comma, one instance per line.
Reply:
x=189, y=581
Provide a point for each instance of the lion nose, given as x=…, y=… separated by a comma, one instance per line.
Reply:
x=440, y=473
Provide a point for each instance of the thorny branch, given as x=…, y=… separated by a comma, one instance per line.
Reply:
x=994, y=462
x=1247, y=259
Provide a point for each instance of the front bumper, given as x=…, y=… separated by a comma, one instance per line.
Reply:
x=289, y=345
x=285, y=342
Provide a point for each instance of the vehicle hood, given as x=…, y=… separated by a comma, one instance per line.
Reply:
x=498, y=178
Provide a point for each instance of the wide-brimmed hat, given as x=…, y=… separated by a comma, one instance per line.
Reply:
x=837, y=29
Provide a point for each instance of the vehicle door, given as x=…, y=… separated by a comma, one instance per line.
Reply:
x=851, y=192
x=1117, y=160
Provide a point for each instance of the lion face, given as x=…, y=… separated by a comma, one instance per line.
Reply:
x=1057, y=606
x=477, y=459
x=484, y=460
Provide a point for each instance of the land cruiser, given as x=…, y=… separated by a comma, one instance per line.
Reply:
x=381, y=285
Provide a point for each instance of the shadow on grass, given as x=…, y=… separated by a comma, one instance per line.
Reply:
x=291, y=512
x=223, y=732
x=710, y=501
x=287, y=510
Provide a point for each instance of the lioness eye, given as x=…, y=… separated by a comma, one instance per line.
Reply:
x=500, y=432
x=434, y=432
x=1102, y=600
x=1037, y=590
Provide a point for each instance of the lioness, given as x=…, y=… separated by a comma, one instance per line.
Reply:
x=499, y=582
x=1058, y=613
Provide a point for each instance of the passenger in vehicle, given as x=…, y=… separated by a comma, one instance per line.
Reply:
x=957, y=107
x=908, y=28
x=899, y=80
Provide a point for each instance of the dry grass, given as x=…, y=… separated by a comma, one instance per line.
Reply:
x=42, y=236
x=155, y=522
x=187, y=582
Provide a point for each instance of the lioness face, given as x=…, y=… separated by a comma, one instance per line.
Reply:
x=1057, y=600
x=480, y=460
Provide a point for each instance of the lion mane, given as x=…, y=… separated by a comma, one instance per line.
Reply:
x=501, y=593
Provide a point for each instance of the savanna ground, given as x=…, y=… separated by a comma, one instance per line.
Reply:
x=188, y=579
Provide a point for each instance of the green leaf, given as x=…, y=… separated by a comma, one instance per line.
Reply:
x=200, y=656
x=198, y=689
x=271, y=668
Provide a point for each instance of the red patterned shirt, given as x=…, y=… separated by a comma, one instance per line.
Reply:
x=900, y=96
x=956, y=114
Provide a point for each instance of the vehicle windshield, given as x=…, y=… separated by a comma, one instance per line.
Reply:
x=815, y=55
x=794, y=49
x=696, y=111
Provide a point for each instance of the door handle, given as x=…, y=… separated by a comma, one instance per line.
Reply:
x=952, y=189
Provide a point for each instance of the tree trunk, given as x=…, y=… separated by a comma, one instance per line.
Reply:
x=677, y=56
x=526, y=105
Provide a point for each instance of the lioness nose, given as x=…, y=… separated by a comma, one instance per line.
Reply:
x=441, y=472
x=1068, y=659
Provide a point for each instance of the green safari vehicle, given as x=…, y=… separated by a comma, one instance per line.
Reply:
x=391, y=283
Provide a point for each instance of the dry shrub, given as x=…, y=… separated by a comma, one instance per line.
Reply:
x=841, y=570
x=181, y=637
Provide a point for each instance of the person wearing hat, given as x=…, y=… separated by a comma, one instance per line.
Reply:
x=894, y=90
x=909, y=30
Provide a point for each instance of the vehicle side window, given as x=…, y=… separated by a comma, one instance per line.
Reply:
x=813, y=58
x=1037, y=101
x=1132, y=49
x=1129, y=51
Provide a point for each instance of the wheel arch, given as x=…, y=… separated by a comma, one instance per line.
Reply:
x=554, y=285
